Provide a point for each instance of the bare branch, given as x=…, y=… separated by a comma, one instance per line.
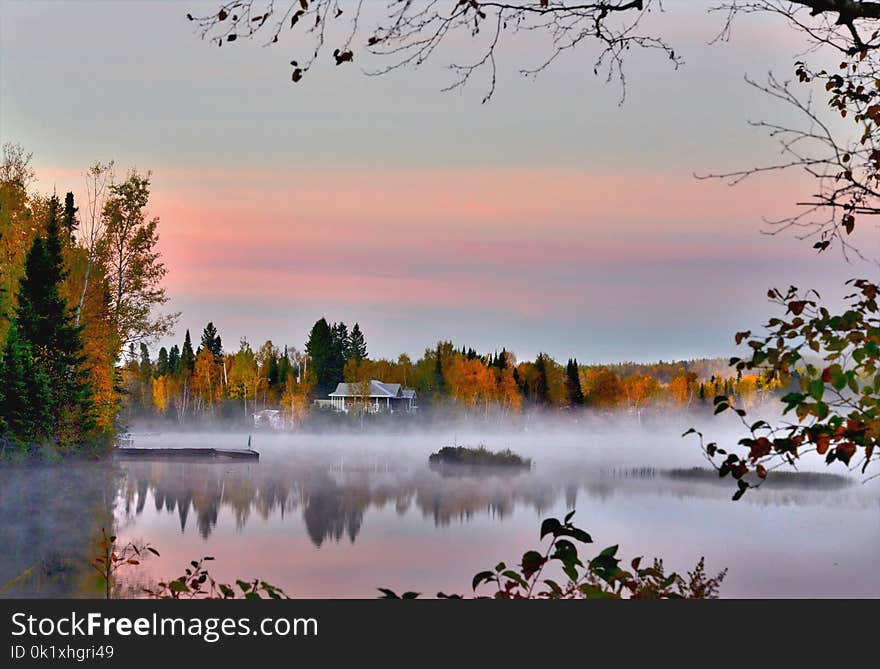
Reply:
x=409, y=32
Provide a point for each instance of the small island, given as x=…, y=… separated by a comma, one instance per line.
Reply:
x=465, y=455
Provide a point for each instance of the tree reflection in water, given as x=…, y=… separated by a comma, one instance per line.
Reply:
x=333, y=498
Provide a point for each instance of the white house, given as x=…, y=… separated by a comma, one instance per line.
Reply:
x=375, y=396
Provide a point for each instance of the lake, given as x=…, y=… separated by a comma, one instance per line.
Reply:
x=341, y=515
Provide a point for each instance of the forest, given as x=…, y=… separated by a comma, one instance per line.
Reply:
x=82, y=288
x=207, y=383
x=76, y=286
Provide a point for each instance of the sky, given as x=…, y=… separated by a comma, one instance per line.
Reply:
x=552, y=218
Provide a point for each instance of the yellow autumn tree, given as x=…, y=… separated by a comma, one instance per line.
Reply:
x=683, y=387
x=207, y=381
x=161, y=395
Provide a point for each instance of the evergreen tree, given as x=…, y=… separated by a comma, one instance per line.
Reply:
x=285, y=370
x=539, y=389
x=187, y=357
x=322, y=353
x=439, y=381
x=211, y=341
x=174, y=360
x=25, y=396
x=357, y=346
x=44, y=323
x=146, y=364
x=341, y=346
x=574, y=393
x=162, y=363
x=341, y=343
x=69, y=216
x=145, y=369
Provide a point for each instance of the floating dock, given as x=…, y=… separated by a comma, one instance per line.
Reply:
x=188, y=453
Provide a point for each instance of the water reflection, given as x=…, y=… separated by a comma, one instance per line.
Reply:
x=338, y=519
x=333, y=496
x=52, y=515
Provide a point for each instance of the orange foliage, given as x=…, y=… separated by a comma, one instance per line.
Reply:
x=602, y=387
x=639, y=389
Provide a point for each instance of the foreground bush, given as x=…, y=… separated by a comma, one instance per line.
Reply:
x=598, y=578
x=601, y=577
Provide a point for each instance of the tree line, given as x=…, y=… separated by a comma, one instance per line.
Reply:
x=210, y=383
x=75, y=287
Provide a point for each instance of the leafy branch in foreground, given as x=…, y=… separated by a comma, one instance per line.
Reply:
x=598, y=578
x=195, y=583
x=834, y=359
x=114, y=557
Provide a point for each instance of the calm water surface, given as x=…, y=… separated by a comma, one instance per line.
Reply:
x=326, y=516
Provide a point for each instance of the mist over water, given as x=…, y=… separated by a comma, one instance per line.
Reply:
x=331, y=514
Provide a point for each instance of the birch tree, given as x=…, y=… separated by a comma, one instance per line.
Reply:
x=134, y=268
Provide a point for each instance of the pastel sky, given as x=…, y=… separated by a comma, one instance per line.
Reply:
x=551, y=218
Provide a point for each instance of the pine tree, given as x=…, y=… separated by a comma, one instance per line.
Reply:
x=211, y=341
x=45, y=323
x=69, y=216
x=322, y=354
x=187, y=357
x=285, y=370
x=540, y=390
x=25, y=397
x=272, y=372
x=341, y=346
x=439, y=381
x=146, y=364
x=357, y=347
x=162, y=363
x=174, y=360
x=574, y=393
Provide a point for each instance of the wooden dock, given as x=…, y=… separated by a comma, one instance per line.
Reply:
x=188, y=453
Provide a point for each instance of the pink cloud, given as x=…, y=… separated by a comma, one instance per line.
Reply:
x=518, y=239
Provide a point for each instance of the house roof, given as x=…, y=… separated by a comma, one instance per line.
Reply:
x=377, y=389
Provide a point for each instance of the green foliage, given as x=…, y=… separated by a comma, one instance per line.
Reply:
x=541, y=389
x=357, y=345
x=197, y=583
x=162, y=363
x=47, y=392
x=69, y=219
x=574, y=393
x=831, y=363
x=187, y=362
x=326, y=348
x=601, y=577
x=463, y=455
x=211, y=341
x=134, y=268
x=174, y=360
x=113, y=557
x=25, y=396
